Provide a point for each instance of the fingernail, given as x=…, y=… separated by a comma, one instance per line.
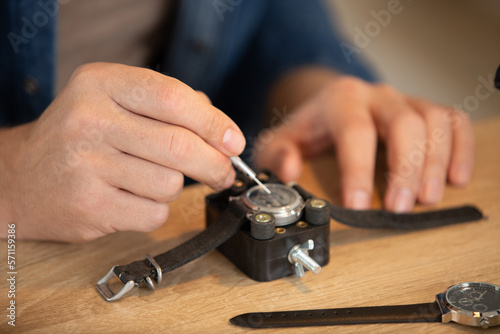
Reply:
x=233, y=142
x=433, y=191
x=403, y=200
x=359, y=200
x=460, y=174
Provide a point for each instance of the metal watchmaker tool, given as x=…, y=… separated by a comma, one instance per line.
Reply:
x=270, y=236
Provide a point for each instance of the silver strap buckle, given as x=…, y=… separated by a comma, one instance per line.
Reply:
x=110, y=296
x=106, y=292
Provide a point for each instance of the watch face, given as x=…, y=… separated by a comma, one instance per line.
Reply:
x=284, y=202
x=474, y=297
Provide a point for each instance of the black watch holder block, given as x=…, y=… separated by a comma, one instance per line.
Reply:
x=266, y=257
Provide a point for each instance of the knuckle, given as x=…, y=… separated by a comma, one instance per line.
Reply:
x=457, y=118
x=87, y=212
x=462, y=116
x=434, y=113
x=347, y=84
x=87, y=202
x=158, y=215
x=204, y=96
x=387, y=89
x=179, y=145
x=359, y=130
x=215, y=124
x=218, y=178
x=83, y=117
x=405, y=121
x=360, y=126
x=169, y=186
x=87, y=72
x=69, y=126
x=169, y=94
x=176, y=182
x=86, y=235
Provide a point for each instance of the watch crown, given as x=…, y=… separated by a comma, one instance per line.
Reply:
x=484, y=323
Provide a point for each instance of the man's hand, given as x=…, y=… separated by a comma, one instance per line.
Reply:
x=426, y=144
x=110, y=152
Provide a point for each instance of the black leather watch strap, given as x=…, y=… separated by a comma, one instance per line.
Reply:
x=209, y=239
x=403, y=221
x=151, y=269
x=427, y=312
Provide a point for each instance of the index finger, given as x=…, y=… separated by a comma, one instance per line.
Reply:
x=167, y=99
x=355, y=137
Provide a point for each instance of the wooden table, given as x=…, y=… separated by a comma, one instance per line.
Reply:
x=55, y=283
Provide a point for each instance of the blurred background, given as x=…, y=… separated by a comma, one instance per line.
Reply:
x=447, y=51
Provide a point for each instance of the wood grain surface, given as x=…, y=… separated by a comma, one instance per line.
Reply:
x=55, y=282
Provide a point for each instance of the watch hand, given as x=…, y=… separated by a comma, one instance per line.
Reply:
x=481, y=296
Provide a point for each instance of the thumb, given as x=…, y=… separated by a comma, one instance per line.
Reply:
x=284, y=159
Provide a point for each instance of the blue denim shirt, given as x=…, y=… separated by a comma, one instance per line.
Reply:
x=233, y=50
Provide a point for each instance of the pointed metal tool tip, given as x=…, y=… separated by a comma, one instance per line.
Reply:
x=266, y=189
x=243, y=167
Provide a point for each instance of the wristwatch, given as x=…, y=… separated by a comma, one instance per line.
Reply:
x=270, y=236
x=472, y=304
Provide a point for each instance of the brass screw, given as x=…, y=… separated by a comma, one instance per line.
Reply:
x=318, y=203
x=280, y=230
x=263, y=218
x=263, y=177
x=238, y=183
x=301, y=224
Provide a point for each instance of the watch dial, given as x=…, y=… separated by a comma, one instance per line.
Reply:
x=474, y=297
x=280, y=196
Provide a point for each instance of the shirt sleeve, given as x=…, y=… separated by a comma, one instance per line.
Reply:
x=27, y=59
